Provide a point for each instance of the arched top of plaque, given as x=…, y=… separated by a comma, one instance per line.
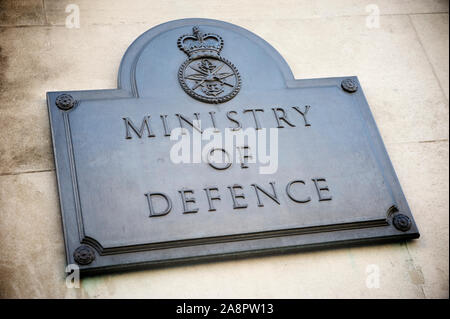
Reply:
x=210, y=60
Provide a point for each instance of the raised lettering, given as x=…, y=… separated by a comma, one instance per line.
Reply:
x=140, y=132
x=186, y=200
x=234, y=196
x=239, y=125
x=181, y=118
x=282, y=117
x=165, y=125
x=150, y=204
x=212, y=163
x=307, y=107
x=288, y=192
x=255, y=117
x=243, y=155
x=273, y=197
x=211, y=198
x=321, y=189
x=213, y=120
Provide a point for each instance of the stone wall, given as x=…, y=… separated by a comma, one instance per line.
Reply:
x=402, y=64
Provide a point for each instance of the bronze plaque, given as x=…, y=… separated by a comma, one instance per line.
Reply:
x=209, y=148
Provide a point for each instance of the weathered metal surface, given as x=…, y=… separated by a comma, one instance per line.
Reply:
x=126, y=204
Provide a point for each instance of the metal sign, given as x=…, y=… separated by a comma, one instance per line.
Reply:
x=210, y=148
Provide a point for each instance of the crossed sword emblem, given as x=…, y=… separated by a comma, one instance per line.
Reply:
x=209, y=75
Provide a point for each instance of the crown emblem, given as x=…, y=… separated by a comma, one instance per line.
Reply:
x=205, y=75
x=200, y=44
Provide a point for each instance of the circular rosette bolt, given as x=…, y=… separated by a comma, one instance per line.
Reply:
x=84, y=255
x=65, y=102
x=401, y=222
x=349, y=85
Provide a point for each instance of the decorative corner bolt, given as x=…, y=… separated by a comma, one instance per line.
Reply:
x=65, y=102
x=349, y=85
x=401, y=222
x=84, y=255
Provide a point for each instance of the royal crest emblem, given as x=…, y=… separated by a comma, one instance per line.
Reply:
x=205, y=75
